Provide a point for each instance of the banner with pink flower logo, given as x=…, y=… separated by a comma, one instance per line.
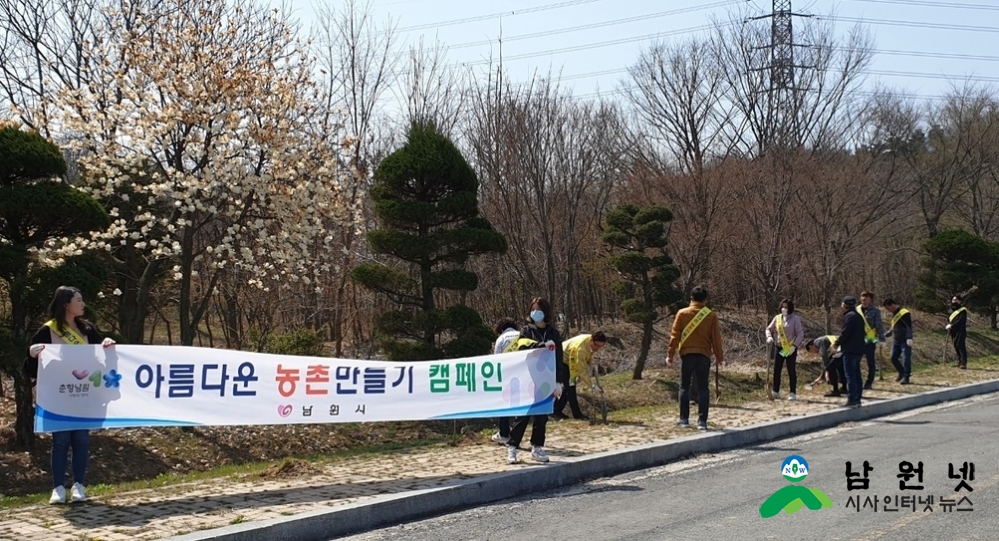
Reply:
x=88, y=387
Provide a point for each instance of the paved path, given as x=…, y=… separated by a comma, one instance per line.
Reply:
x=718, y=496
x=159, y=513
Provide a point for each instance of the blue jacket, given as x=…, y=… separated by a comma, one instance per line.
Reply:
x=851, y=337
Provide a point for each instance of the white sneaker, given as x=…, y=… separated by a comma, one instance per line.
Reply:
x=77, y=494
x=511, y=454
x=777, y=395
x=538, y=453
x=792, y=397
x=58, y=496
x=499, y=439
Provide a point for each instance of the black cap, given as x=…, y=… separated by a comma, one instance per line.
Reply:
x=850, y=300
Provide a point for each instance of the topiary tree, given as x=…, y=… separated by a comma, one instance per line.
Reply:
x=426, y=200
x=36, y=207
x=960, y=263
x=637, y=239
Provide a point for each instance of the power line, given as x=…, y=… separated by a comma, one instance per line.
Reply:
x=600, y=24
x=508, y=13
x=601, y=44
x=920, y=3
x=921, y=54
x=915, y=24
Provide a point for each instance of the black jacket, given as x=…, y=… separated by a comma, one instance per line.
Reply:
x=851, y=337
x=543, y=335
x=902, y=330
x=44, y=336
x=960, y=323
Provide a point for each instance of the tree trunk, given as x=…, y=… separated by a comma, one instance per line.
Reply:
x=643, y=353
x=24, y=406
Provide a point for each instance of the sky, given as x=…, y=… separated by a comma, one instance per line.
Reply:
x=924, y=46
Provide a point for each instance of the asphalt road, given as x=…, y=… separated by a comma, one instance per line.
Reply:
x=718, y=496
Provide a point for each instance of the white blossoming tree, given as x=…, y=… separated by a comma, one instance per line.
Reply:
x=199, y=116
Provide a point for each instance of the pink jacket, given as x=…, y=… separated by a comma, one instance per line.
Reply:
x=793, y=328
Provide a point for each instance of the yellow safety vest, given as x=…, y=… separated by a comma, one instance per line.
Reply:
x=70, y=336
x=898, y=315
x=871, y=332
x=785, y=344
x=956, y=312
x=698, y=318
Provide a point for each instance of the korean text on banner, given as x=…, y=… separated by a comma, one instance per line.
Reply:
x=88, y=387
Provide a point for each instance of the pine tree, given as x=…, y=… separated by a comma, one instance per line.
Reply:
x=638, y=237
x=426, y=200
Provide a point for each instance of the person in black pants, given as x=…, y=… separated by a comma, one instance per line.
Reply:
x=851, y=342
x=541, y=330
x=958, y=329
x=902, y=336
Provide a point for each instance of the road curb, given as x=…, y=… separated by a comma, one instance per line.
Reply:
x=324, y=524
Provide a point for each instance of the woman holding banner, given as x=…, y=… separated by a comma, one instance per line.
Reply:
x=66, y=326
x=541, y=331
x=788, y=333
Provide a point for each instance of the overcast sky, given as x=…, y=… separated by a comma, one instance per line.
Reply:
x=591, y=42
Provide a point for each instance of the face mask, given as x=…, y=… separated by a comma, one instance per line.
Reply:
x=783, y=311
x=955, y=305
x=538, y=316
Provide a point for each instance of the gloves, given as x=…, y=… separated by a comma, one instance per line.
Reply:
x=669, y=361
x=888, y=334
x=948, y=326
x=108, y=343
x=909, y=342
x=550, y=345
x=558, y=391
x=35, y=349
x=770, y=340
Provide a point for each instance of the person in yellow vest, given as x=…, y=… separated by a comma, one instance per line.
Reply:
x=874, y=334
x=787, y=331
x=957, y=326
x=900, y=330
x=579, y=351
x=66, y=326
x=695, y=335
x=832, y=361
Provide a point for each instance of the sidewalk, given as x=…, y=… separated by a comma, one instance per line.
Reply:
x=179, y=509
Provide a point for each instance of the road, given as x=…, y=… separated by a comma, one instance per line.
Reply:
x=719, y=496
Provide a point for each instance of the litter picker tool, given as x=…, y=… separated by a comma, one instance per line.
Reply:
x=770, y=359
x=717, y=389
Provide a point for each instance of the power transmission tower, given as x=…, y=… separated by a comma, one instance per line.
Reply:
x=782, y=91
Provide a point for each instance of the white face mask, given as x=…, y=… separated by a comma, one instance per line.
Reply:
x=783, y=311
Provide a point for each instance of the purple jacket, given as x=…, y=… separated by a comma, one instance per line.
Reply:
x=793, y=328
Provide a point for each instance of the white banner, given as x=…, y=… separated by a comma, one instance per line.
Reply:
x=86, y=387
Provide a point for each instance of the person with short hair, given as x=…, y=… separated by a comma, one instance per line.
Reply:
x=695, y=335
x=579, y=351
x=851, y=343
x=901, y=332
x=874, y=334
x=957, y=327
x=787, y=332
x=66, y=326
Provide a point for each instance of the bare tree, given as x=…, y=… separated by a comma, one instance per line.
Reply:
x=435, y=90
x=547, y=164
